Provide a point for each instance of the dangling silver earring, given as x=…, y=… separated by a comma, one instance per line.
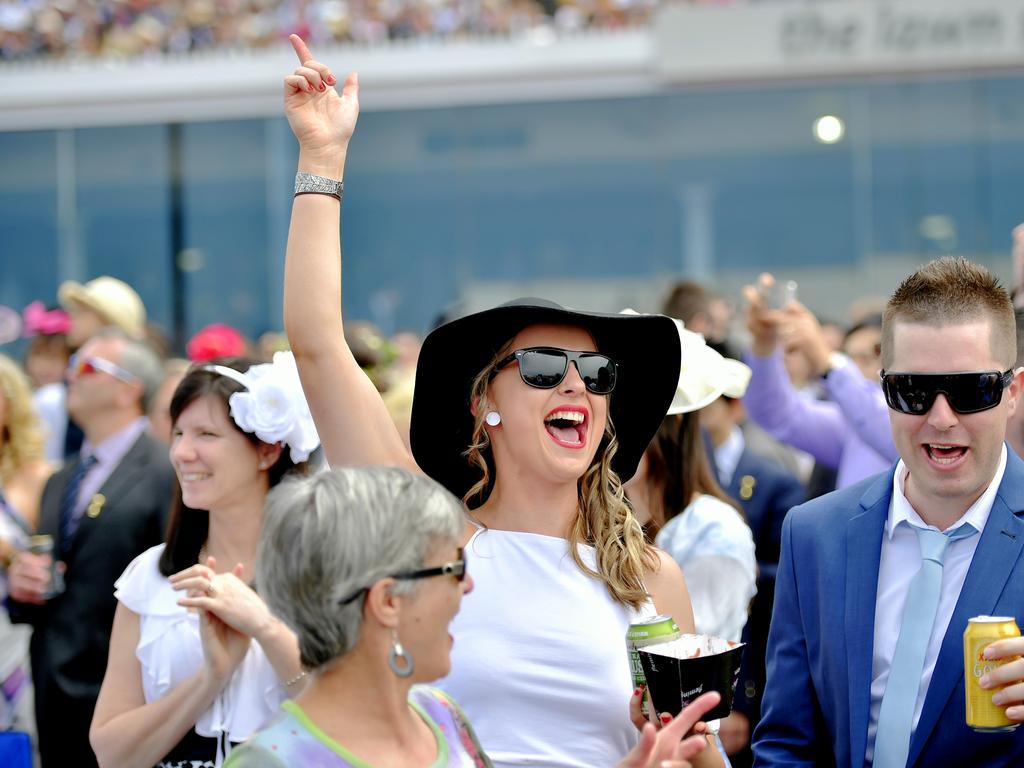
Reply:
x=493, y=418
x=400, y=660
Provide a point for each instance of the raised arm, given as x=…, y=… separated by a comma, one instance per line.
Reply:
x=774, y=404
x=350, y=416
x=859, y=399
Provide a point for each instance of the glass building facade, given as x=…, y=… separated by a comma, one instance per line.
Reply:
x=716, y=184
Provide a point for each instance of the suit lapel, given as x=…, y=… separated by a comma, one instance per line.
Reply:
x=121, y=479
x=863, y=555
x=998, y=552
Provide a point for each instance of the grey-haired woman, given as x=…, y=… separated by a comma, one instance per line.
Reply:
x=365, y=566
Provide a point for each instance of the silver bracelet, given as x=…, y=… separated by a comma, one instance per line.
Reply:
x=311, y=184
x=297, y=679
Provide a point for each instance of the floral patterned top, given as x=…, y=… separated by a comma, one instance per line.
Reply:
x=295, y=740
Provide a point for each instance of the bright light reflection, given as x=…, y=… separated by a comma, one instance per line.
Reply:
x=829, y=129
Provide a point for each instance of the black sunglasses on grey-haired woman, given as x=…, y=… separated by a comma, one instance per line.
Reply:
x=456, y=568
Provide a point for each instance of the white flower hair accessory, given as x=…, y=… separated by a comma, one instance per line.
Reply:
x=272, y=407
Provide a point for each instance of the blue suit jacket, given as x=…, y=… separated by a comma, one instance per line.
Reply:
x=815, y=708
x=771, y=491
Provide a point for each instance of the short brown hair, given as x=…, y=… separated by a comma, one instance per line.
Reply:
x=952, y=290
x=687, y=300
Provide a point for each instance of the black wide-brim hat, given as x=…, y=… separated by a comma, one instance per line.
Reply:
x=646, y=348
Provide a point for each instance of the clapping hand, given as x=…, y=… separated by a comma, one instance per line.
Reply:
x=225, y=595
x=224, y=647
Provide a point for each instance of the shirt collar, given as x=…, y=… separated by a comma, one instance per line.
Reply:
x=113, y=449
x=727, y=455
x=901, y=511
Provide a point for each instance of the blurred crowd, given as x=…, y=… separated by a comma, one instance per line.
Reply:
x=800, y=416
x=32, y=29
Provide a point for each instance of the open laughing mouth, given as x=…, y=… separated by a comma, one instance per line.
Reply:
x=567, y=426
x=945, y=455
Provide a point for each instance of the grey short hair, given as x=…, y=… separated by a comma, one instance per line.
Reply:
x=328, y=536
x=139, y=359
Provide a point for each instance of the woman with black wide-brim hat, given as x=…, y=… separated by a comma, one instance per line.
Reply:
x=533, y=414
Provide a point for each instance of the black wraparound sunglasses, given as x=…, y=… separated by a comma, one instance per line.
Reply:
x=456, y=568
x=545, y=368
x=915, y=393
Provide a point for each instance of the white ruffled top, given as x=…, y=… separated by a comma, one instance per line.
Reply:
x=170, y=651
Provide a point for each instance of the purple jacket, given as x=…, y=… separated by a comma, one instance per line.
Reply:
x=850, y=432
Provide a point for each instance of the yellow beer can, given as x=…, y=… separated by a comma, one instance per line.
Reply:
x=982, y=714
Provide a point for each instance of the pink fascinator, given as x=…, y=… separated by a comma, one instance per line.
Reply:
x=39, y=321
x=213, y=341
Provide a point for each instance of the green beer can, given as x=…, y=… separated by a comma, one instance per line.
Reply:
x=657, y=629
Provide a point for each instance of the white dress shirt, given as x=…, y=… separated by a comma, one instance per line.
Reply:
x=108, y=455
x=900, y=562
x=728, y=454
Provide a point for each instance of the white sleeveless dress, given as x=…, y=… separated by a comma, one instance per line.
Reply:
x=539, y=662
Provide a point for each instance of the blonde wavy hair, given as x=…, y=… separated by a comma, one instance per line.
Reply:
x=22, y=433
x=605, y=520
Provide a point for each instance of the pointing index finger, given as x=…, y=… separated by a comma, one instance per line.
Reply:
x=301, y=49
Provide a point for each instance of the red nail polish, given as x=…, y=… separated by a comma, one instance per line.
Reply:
x=323, y=87
x=309, y=88
x=666, y=718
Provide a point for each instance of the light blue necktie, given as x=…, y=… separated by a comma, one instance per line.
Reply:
x=896, y=715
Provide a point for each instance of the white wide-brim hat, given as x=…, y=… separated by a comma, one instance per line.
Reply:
x=112, y=299
x=705, y=375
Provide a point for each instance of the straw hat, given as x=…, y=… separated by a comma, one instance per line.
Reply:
x=112, y=299
x=705, y=375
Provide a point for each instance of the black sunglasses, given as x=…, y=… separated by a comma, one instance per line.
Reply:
x=456, y=568
x=545, y=367
x=915, y=393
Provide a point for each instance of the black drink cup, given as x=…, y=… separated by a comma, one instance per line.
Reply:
x=675, y=682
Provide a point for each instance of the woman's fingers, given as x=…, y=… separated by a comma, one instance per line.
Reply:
x=198, y=586
x=196, y=571
x=307, y=61
x=197, y=601
x=312, y=77
x=691, y=747
x=298, y=84
x=636, y=715
x=692, y=714
x=300, y=48
x=350, y=90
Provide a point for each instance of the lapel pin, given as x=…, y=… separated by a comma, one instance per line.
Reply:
x=747, y=483
x=95, y=505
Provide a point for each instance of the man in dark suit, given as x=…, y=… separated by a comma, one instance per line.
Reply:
x=876, y=582
x=766, y=491
x=104, y=508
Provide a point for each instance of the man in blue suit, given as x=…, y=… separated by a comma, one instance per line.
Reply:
x=876, y=582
